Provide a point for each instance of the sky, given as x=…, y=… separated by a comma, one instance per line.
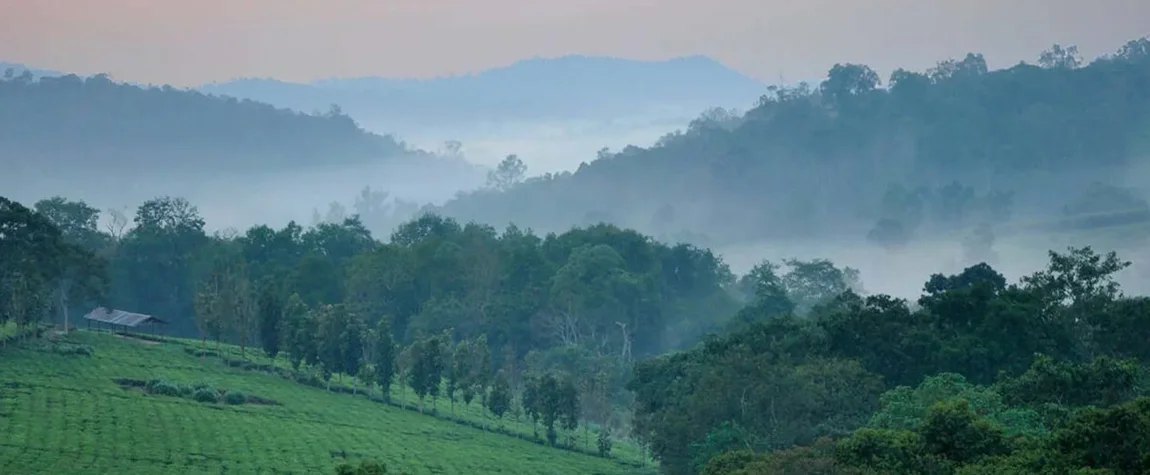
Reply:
x=192, y=42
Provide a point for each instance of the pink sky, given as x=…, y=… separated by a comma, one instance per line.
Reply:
x=187, y=42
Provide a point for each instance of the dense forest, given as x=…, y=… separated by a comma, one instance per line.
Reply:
x=790, y=369
x=957, y=146
x=96, y=123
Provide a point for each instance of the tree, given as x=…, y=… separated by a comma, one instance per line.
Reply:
x=83, y=276
x=210, y=314
x=603, y=442
x=507, y=174
x=532, y=400
x=35, y=258
x=1058, y=57
x=338, y=341
x=459, y=373
x=157, y=260
x=499, y=401
x=569, y=404
x=293, y=335
x=271, y=319
x=809, y=283
x=351, y=344
x=245, y=309
x=384, y=358
x=845, y=81
x=479, y=377
x=426, y=372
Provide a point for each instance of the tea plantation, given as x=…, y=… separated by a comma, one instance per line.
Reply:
x=97, y=403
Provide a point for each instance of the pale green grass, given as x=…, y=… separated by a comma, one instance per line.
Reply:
x=65, y=414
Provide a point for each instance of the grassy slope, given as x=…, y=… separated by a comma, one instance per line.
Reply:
x=65, y=414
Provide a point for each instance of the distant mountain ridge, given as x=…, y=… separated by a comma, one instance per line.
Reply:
x=18, y=69
x=567, y=87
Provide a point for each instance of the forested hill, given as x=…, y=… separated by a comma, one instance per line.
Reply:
x=69, y=123
x=956, y=145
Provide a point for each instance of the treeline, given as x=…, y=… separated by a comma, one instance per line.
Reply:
x=817, y=160
x=97, y=122
x=978, y=376
x=488, y=312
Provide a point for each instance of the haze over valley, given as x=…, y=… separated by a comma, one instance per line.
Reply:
x=588, y=237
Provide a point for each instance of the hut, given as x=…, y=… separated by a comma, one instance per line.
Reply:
x=123, y=319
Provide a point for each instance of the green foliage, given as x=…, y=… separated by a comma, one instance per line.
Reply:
x=384, y=359
x=235, y=398
x=427, y=367
x=603, y=442
x=208, y=395
x=785, y=381
x=499, y=401
x=889, y=451
x=728, y=436
x=71, y=349
x=366, y=467
x=1101, y=382
x=905, y=408
x=164, y=388
x=953, y=431
x=1117, y=439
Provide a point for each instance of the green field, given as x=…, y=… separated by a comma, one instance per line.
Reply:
x=68, y=414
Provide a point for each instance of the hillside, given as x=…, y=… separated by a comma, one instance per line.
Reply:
x=78, y=413
x=113, y=143
x=950, y=148
x=70, y=121
x=541, y=89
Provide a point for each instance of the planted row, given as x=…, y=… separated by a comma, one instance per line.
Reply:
x=200, y=392
x=61, y=348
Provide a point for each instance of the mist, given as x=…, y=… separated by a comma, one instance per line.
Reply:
x=545, y=146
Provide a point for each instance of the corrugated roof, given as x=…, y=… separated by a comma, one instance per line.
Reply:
x=120, y=317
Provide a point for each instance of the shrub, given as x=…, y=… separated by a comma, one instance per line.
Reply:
x=235, y=398
x=73, y=349
x=202, y=385
x=206, y=394
x=163, y=388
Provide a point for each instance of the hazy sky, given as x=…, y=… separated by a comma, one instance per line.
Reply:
x=188, y=42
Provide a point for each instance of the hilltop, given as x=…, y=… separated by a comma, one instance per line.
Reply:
x=563, y=88
x=65, y=410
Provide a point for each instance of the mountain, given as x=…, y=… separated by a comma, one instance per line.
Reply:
x=942, y=151
x=568, y=87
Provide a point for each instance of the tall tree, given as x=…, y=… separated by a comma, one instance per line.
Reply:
x=459, y=373
x=294, y=324
x=384, y=359
x=507, y=174
x=271, y=318
x=34, y=259
x=426, y=371
x=499, y=401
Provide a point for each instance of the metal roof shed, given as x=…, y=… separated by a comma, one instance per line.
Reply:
x=121, y=318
